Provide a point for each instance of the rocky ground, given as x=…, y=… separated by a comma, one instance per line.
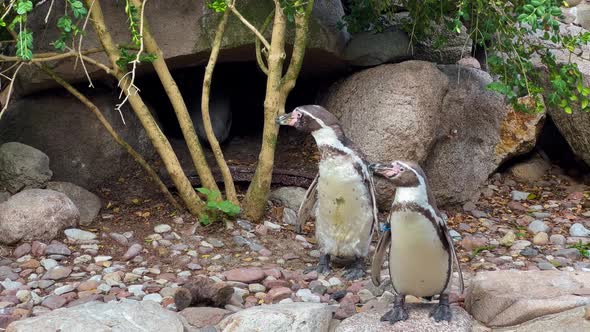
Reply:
x=138, y=249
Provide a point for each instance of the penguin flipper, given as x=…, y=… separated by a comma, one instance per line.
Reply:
x=455, y=258
x=374, y=203
x=379, y=256
x=306, y=207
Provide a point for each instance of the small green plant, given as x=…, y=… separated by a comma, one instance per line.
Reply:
x=217, y=210
x=219, y=6
x=584, y=249
x=477, y=250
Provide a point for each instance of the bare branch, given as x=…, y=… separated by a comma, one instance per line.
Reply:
x=232, y=7
x=259, y=59
x=48, y=11
x=10, y=87
x=80, y=45
x=8, y=9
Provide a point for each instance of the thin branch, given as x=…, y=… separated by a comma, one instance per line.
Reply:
x=80, y=45
x=10, y=87
x=52, y=56
x=230, y=189
x=259, y=59
x=48, y=11
x=105, y=123
x=8, y=9
x=249, y=26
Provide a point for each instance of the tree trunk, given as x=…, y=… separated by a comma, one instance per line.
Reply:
x=179, y=106
x=96, y=111
x=158, y=139
x=230, y=189
x=277, y=90
x=257, y=194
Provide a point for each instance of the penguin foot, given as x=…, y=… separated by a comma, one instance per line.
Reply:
x=397, y=314
x=442, y=311
x=323, y=267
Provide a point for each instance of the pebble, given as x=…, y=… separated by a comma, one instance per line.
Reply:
x=153, y=297
x=54, y=301
x=136, y=290
x=455, y=235
x=23, y=295
x=508, y=239
x=11, y=285
x=23, y=249
x=215, y=243
x=279, y=293
x=334, y=281
x=57, y=248
x=471, y=242
x=272, y=226
x=256, y=288
x=541, y=238
x=246, y=275
x=529, y=252
x=83, y=259
x=557, y=239
x=78, y=235
x=133, y=251
x=100, y=259
x=365, y=295
x=245, y=225
x=520, y=245
x=570, y=253
x=538, y=226
x=261, y=230
x=6, y=273
x=545, y=266
x=63, y=289
x=541, y=215
x=315, y=253
x=578, y=229
x=289, y=216
x=58, y=272
x=519, y=195
x=162, y=228
x=307, y=296
x=119, y=238
x=194, y=266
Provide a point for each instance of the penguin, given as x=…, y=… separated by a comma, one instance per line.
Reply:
x=421, y=252
x=342, y=192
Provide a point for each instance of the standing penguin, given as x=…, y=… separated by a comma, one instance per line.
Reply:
x=421, y=255
x=346, y=210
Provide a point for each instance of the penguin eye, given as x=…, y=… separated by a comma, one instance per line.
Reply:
x=298, y=115
x=401, y=169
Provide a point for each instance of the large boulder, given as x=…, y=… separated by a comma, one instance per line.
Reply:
x=506, y=298
x=442, y=117
x=80, y=149
x=300, y=317
x=419, y=321
x=126, y=315
x=196, y=24
x=370, y=48
x=573, y=320
x=87, y=203
x=36, y=214
x=22, y=167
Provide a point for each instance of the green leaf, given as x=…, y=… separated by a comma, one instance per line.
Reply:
x=568, y=110
x=65, y=23
x=24, y=6
x=584, y=103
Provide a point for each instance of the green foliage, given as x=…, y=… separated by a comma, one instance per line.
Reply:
x=219, y=6
x=125, y=56
x=584, y=249
x=69, y=28
x=292, y=8
x=216, y=209
x=24, y=45
x=23, y=7
x=513, y=35
x=477, y=250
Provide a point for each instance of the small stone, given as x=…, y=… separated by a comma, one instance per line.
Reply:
x=194, y=266
x=57, y=248
x=541, y=215
x=119, y=238
x=334, y=281
x=78, y=235
x=570, y=253
x=538, y=226
x=289, y=216
x=272, y=226
x=261, y=230
x=520, y=245
x=215, y=242
x=541, y=238
x=38, y=248
x=529, y=252
x=471, y=242
x=246, y=275
x=455, y=235
x=519, y=195
x=23, y=295
x=469, y=206
x=133, y=251
x=58, y=273
x=256, y=288
x=87, y=285
x=307, y=296
x=245, y=225
x=23, y=249
x=103, y=288
x=7, y=273
x=319, y=289
x=100, y=259
x=54, y=301
x=279, y=293
x=153, y=297
x=557, y=239
x=315, y=253
x=508, y=239
x=365, y=295
x=162, y=228
x=545, y=266
x=63, y=289
x=345, y=310
x=578, y=229
x=265, y=252
x=84, y=259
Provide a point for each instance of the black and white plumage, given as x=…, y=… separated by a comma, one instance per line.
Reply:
x=421, y=252
x=346, y=211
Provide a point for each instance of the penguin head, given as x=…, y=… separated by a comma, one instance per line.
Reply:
x=309, y=118
x=400, y=173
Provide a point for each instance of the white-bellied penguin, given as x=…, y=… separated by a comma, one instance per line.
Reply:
x=346, y=210
x=421, y=252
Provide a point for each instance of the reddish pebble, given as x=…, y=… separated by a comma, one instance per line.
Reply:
x=54, y=301
x=123, y=295
x=355, y=287
x=88, y=285
x=269, y=284
x=38, y=248
x=313, y=275
x=71, y=296
x=23, y=249
x=276, y=273
x=86, y=294
x=350, y=298
x=246, y=275
x=346, y=310
x=261, y=229
x=167, y=301
x=251, y=299
x=30, y=264
x=26, y=273
x=279, y=293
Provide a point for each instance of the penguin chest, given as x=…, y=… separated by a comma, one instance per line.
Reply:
x=344, y=214
x=419, y=264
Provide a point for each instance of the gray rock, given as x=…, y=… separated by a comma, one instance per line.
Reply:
x=22, y=167
x=578, y=229
x=506, y=298
x=419, y=321
x=7, y=273
x=204, y=316
x=80, y=149
x=374, y=48
x=162, y=228
x=570, y=320
x=4, y=196
x=87, y=203
x=531, y=170
x=557, y=239
x=79, y=236
x=289, y=216
x=125, y=315
x=519, y=195
x=36, y=214
x=295, y=317
x=570, y=253
x=58, y=248
x=537, y=226
x=529, y=252
x=290, y=197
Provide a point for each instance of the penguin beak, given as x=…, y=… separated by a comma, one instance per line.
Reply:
x=285, y=120
x=385, y=170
